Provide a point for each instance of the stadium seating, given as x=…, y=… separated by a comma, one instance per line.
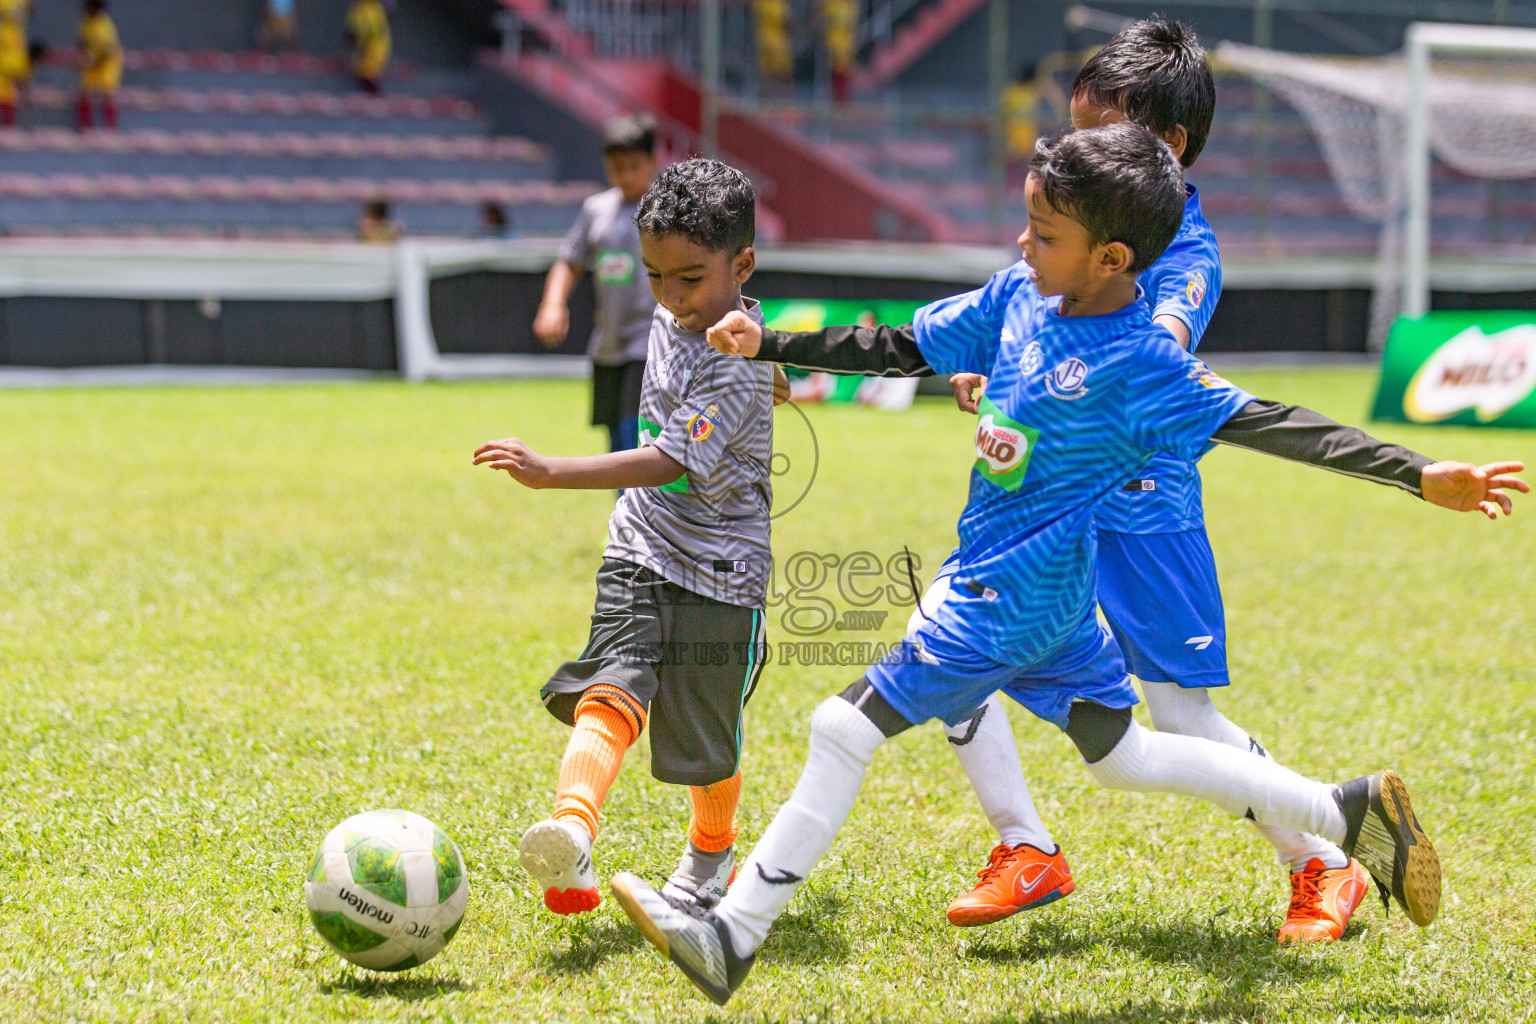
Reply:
x=941, y=161
x=258, y=145
x=245, y=143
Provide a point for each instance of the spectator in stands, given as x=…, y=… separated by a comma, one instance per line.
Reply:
x=368, y=32
x=839, y=31
x=375, y=226
x=1021, y=116
x=101, y=65
x=15, y=60
x=775, y=59
x=605, y=239
x=279, y=27
x=495, y=222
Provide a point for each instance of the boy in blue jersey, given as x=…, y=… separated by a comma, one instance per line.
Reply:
x=1084, y=388
x=1157, y=576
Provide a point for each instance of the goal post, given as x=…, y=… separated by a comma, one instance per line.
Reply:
x=1424, y=39
x=1463, y=93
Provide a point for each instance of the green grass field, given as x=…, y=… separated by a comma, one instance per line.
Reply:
x=231, y=617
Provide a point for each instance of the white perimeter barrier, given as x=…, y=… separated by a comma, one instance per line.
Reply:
x=254, y=270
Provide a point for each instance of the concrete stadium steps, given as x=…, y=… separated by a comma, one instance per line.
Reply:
x=268, y=110
x=296, y=72
x=944, y=166
x=288, y=154
x=163, y=202
x=250, y=145
x=224, y=62
x=241, y=102
x=427, y=83
x=927, y=26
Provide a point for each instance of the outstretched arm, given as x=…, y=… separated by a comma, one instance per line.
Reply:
x=872, y=351
x=1301, y=435
x=638, y=467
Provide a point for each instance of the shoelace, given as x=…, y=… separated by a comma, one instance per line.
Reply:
x=688, y=907
x=1306, y=895
x=999, y=856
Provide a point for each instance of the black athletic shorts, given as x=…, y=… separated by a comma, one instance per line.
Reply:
x=692, y=661
x=616, y=393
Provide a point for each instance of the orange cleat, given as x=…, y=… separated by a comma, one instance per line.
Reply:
x=1016, y=878
x=1323, y=900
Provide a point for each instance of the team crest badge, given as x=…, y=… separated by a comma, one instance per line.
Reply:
x=1195, y=290
x=1069, y=381
x=1032, y=359
x=699, y=428
x=1206, y=377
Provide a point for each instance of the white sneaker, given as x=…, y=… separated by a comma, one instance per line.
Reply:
x=558, y=854
x=701, y=877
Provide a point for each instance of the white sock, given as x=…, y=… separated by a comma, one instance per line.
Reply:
x=1238, y=781
x=1189, y=712
x=984, y=744
x=988, y=755
x=843, y=742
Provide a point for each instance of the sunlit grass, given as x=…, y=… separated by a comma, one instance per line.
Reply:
x=230, y=618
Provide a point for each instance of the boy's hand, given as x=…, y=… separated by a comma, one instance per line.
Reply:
x=1463, y=487
x=735, y=335
x=552, y=323
x=522, y=463
x=968, y=388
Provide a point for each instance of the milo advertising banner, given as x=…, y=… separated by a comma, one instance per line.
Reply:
x=1473, y=369
x=814, y=314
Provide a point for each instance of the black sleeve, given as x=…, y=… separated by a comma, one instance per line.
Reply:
x=1301, y=435
x=873, y=351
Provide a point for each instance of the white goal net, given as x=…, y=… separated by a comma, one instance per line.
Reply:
x=1465, y=93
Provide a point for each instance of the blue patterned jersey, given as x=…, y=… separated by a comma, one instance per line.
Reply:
x=1185, y=282
x=1074, y=406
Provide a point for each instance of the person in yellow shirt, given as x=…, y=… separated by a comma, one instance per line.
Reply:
x=101, y=65
x=1021, y=116
x=839, y=33
x=368, y=30
x=376, y=226
x=775, y=61
x=15, y=63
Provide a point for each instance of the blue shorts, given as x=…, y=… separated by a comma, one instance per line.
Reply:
x=1161, y=598
x=934, y=675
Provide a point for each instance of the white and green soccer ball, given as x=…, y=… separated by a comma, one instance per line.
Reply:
x=387, y=890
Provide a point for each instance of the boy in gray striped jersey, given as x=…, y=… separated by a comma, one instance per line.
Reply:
x=677, y=633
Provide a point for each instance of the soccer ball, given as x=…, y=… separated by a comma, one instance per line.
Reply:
x=387, y=890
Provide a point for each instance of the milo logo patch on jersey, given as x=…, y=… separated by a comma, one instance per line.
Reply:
x=614, y=266
x=1003, y=446
x=649, y=432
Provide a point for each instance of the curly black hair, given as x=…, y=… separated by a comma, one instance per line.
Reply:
x=1120, y=182
x=1155, y=73
x=709, y=202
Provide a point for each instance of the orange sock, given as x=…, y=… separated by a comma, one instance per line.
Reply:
x=608, y=721
x=713, y=827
